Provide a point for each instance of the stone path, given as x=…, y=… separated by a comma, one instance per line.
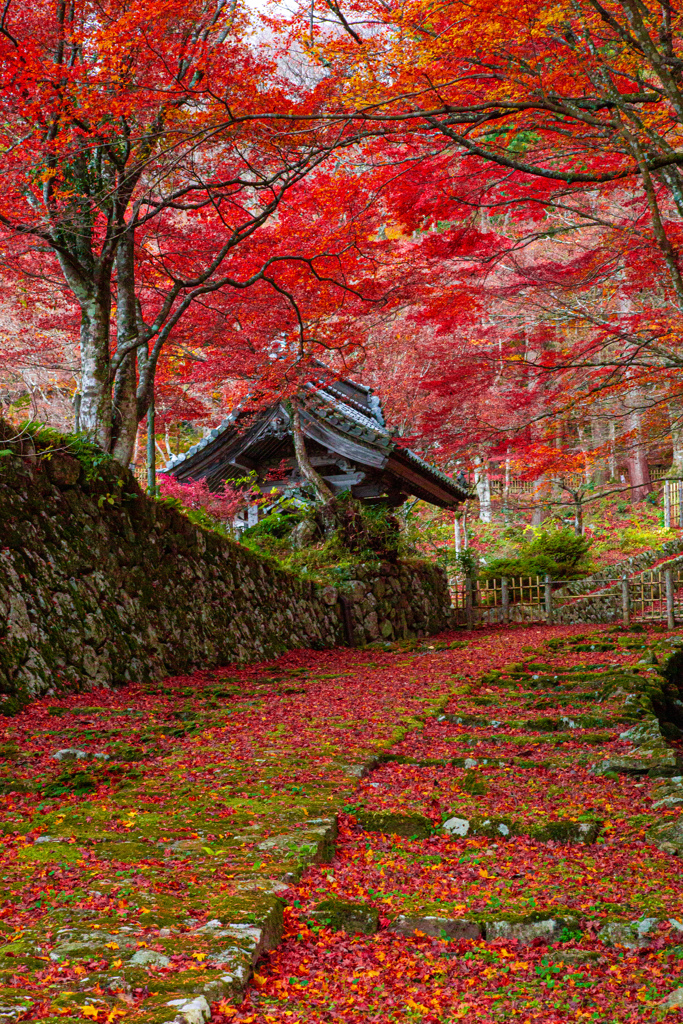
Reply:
x=482, y=827
x=512, y=859
x=147, y=833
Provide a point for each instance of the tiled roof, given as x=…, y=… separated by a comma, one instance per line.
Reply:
x=322, y=400
x=229, y=421
x=346, y=413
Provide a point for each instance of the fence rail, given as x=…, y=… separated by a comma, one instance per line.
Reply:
x=655, y=596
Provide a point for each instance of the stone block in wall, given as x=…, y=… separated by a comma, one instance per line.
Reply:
x=371, y=626
x=354, y=590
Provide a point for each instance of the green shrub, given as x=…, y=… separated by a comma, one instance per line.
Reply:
x=568, y=552
x=277, y=524
x=559, y=553
x=634, y=538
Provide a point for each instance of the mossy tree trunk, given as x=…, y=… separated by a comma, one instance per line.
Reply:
x=322, y=489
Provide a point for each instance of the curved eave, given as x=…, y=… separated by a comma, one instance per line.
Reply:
x=424, y=481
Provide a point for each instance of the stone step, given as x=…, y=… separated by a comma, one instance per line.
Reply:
x=545, y=926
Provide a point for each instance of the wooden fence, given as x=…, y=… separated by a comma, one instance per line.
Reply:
x=673, y=503
x=528, y=487
x=139, y=471
x=655, y=596
x=520, y=599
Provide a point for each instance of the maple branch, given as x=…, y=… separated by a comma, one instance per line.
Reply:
x=3, y=26
x=334, y=7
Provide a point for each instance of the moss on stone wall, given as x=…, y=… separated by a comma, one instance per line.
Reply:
x=101, y=585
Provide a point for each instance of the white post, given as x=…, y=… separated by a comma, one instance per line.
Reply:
x=456, y=530
x=667, y=505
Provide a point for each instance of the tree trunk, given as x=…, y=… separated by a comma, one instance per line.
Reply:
x=320, y=486
x=506, y=491
x=483, y=487
x=578, y=517
x=124, y=413
x=93, y=294
x=125, y=403
x=540, y=511
x=96, y=396
x=612, y=450
x=638, y=469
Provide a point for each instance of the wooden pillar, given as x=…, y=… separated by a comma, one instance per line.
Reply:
x=625, y=602
x=505, y=599
x=667, y=505
x=669, y=582
x=548, y=600
x=469, y=610
x=679, y=493
x=347, y=619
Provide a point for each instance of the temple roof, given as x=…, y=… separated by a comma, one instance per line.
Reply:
x=346, y=439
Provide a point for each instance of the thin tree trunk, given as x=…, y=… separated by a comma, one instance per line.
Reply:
x=540, y=510
x=584, y=443
x=612, y=450
x=125, y=403
x=320, y=486
x=483, y=487
x=578, y=515
x=506, y=491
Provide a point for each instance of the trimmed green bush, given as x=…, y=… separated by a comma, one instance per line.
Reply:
x=559, y=552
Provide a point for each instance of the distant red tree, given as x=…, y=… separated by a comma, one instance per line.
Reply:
x=222, y=505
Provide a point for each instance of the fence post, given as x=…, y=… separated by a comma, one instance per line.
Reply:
x=669, y=581
x=679, y=496
x=505, y=599
x=469, y=612
x=548, y=600
x=667, y=505
x=625, y=602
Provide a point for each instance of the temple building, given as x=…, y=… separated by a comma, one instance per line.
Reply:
x=347, y=442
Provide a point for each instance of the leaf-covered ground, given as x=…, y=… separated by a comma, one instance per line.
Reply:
x=147, y=831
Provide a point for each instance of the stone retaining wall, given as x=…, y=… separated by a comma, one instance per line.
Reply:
x=605, y=606
x=627, y=567
x=101, y=585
